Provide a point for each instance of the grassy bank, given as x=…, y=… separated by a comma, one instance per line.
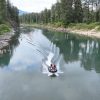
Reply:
x=83, y=29
x=4, y=29
x=75, y=26
x=84, y=26
x=5, y=36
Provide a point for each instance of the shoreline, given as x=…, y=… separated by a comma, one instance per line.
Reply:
x=4, y=41
x=82, y=32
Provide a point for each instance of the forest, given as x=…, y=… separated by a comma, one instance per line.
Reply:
x=65, y=12
x=8, y=16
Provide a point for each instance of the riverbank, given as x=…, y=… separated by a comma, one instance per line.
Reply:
x=4, y=41
x=89, y=31
x=5, y=35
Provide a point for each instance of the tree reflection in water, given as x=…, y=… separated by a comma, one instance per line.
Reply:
x=77, y=48
x=5, y=58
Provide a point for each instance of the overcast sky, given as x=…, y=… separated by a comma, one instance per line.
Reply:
x=33, y=5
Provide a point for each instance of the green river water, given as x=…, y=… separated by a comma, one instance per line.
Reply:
x=22, y=78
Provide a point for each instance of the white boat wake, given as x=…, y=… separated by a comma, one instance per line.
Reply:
x=54, y=57
x=51, y=54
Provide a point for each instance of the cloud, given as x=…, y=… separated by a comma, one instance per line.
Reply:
x=33, y=5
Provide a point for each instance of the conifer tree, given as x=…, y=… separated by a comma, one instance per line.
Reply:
x=2, y=11
x=67, y=11
x=78, y=12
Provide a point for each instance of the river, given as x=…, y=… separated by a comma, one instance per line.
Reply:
x=21, y=72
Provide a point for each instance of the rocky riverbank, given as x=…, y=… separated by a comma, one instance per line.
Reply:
x=4, y=41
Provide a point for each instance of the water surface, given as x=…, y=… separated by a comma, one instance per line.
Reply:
x=21, y=76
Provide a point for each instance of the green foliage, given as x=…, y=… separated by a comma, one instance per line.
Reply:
x=85, y=26
x=65, y=12
x=12, y=14
x=8, y=14
x=58, y=24
x=98, y=29
x=4, y=28
x=2, y=11
x=78, y=12
x=97, y=25
x=77, y=26
x=98, y=15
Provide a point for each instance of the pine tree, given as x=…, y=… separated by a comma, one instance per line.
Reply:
x=2, y=11
x=45, y=16
x=67, y=11
x=78, y=12
x=53, y=17
x=98, y=15
x=58, y=11
x=12, y=15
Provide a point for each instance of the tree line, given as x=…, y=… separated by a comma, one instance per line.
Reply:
x=8, y=13
x=65, y=12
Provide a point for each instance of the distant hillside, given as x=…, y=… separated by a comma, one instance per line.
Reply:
x=22, y=12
